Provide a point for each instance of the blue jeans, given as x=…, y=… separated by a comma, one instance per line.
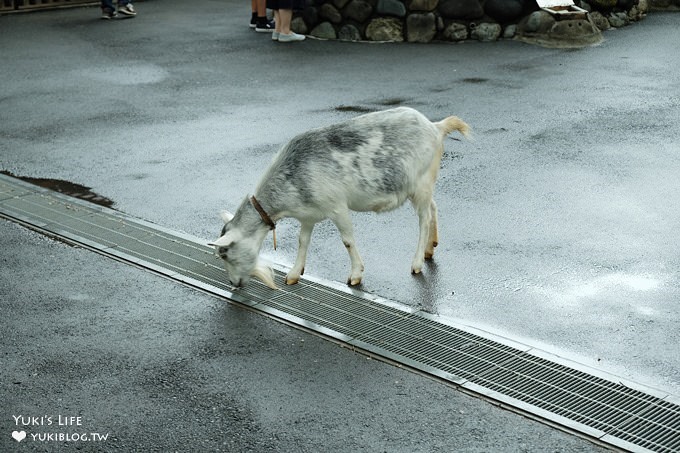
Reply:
x=107, y=5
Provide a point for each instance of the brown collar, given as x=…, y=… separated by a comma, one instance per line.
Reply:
x=263, y=214
x=265, y=217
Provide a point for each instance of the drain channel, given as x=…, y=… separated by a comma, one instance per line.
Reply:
x=622, y=415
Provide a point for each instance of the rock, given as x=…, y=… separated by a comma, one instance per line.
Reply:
x=385, y=29
x=603, y=5
x=349, y=32
x=456, y=32
x=626, y=4
x=390, y=8
x=358, y=10
x=423, y=5
x=538, y=22
x=329, y=12
x=599, y=20
x=617, y=20
x=324, y=30
x=634, y=14
x=310, y=15
x=298, y=25
x=504, y=11
x=420, y=27
x=486, y=32
x=461, y=9
x=509, y=31
x=643, y=7
x=340, y=3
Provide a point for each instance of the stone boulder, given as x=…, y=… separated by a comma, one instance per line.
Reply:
x=538, y=22
x=618, y=20
x=455, y=32
x=461, y=9
x=324, y=30
x=349, y=32
x=310, y=15
x=486, y=32
x=330, y=13
x=421, y=27
x=600, y=21
x=602, y=5
x=504, y=11
x=626, y=4
x=390, y=8
x=385, y=29
x=358, y=10
x=298, y=25
x=423, y=5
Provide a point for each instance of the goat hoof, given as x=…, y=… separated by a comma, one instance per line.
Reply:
x=353, y=281
x=292, y=281
x=416, y=271
x=429, y=255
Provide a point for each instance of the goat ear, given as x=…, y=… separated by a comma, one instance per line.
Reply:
x=223, y=241
x=226, y=216
x=265, y=274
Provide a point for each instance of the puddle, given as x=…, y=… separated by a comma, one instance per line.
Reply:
x=65, y=187
x=474, y=80
x=353, y=109
x=392, y=102
x=388, y=102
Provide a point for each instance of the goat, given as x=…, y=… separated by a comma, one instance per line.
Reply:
x=373, y=162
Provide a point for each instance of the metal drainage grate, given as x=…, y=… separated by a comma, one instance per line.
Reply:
x=622, y=415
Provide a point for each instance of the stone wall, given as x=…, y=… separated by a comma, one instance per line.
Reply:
x=451, y=20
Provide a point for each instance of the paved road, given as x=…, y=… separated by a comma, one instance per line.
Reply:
x=557, y=227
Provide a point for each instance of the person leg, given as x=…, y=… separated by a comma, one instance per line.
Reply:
x=254, y=12
x=260, y=8
x=277, y=21
x=285, y=17
x=107, y=6
x=285, y=35
x=262, y=24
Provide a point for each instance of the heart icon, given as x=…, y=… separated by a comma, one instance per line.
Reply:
x=19, y=435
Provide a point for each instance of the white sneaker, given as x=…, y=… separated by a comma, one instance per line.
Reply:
x=290, y=37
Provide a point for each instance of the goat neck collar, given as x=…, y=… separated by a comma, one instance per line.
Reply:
x=265, y=217
x=263, y=214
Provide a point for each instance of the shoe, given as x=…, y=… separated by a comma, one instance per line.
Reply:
x=127, y=10
x=253, y=22
x=275, y=36
x=290, y=37
x=108, y=14
x=265, y=27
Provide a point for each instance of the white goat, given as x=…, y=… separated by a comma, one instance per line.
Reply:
x=373, y=162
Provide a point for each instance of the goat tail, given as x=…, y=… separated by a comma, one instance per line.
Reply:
x=453, y=123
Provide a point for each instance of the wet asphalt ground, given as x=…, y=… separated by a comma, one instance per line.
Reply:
x=558, y=227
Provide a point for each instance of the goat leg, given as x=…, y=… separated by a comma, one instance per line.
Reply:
x=298, y=269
